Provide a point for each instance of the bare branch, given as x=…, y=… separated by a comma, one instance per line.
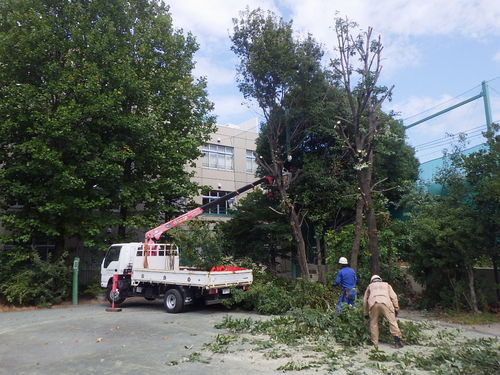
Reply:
x=278, y=212
x=302, y=216
x=384, y=190
x=378, y=183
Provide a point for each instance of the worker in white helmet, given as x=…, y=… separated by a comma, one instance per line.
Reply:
x=380, y=299
x=347, y=279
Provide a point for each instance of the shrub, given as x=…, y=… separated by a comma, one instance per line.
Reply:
x=26, y=279
x=270, y=295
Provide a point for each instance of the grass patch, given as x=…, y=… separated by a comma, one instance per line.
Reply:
x=275, y=354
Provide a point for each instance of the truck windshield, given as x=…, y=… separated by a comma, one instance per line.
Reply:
x=112, y=254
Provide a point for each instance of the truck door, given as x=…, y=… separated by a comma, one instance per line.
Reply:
x=110, y=264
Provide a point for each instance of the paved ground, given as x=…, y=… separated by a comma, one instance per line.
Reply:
x=492, y=329
x=142, y=339
x=86, y=339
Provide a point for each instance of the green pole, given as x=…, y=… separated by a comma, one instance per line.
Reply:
x=487, y=107
x=443, y=111
x=294, y=270
x=76, y=262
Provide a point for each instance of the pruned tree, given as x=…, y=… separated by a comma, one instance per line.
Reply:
x=359, y=58
x=276, y=71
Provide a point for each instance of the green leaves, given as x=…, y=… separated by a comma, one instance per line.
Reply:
x=99, y=112
x=451, y=233
x=26, y=279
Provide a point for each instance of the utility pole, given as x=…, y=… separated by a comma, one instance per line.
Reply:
x=487, y=108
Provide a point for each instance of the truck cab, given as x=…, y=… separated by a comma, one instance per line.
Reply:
x=118, y=259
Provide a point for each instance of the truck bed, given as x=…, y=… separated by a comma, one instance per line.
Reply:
x=193, y=277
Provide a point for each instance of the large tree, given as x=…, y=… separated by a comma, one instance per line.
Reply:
x=282, y=74
x=99, y=115
x=359, y=79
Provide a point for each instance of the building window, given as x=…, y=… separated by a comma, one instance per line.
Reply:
x=218, y=157
x=221, y=208
x=251, y=164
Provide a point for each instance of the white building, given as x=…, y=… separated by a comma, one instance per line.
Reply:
x=228, y=163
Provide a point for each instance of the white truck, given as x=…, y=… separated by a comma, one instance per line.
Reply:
x=151, y=270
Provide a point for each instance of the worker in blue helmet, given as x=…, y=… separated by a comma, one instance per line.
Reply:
x=347, y=279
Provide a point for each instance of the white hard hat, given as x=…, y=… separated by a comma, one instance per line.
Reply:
x=375, y=277
x=343, y=260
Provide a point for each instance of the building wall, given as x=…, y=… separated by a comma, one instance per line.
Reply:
x=241, y=138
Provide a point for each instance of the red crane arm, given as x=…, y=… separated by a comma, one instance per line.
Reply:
x=155, y=234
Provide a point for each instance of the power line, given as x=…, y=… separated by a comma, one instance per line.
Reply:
x=441, y=104
x=493, y=79
x=450, y=139
x=492, y=88
x=440, y=144
x=452, y=135
x=449, y=143
x=452, y=99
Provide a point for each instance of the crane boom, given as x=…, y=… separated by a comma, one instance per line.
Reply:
x=155, y=234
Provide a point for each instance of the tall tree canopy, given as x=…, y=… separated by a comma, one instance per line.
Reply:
x=99, y=115
x=360, y=129
x=318, y=165
x=284, y=76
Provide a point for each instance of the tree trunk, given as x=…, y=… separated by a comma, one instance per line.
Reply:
x=494, y=260
x=365, y=180
x=60, y=243
x=373, y=237
x=358, y=231
x=319, y=255
x=472, y=291
x=301, y=245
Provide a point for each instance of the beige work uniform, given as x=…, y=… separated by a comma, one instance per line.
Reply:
x=379, y=299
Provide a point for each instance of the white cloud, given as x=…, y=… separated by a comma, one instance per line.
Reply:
x=399, y=53
x=402, y=17
x=211, y=21
x=216, y=73
x=400, y=23
x=235, y=108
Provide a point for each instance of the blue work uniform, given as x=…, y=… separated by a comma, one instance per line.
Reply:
x=346, y=278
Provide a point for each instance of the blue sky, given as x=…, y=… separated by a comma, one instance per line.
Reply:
x=436, y=54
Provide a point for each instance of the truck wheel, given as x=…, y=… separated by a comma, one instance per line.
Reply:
x=174, y=303
x=117, y=296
